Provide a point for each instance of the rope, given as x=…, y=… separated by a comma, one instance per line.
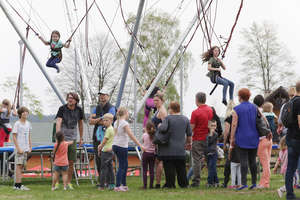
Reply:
x=87, y=35
x=28, y=25
x=232, y=29
x=81, y=20
x=116, y=41
x=17, y=92
x=206, y=28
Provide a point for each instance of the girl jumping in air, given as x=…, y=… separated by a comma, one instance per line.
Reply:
x=214, y=64
x=55, y=45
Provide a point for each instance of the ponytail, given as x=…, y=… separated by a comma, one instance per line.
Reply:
x=59, y=138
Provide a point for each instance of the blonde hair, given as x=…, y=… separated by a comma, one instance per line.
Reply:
x=282, y=143
x=121, y=112
x=108, y=116
x=229, y=109
x=267, y=107
x=8, y=104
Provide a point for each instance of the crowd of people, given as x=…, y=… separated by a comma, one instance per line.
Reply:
x=249, y=131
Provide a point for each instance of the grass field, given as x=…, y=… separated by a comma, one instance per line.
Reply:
x=41, y=189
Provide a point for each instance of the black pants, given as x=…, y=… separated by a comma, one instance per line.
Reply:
x=173, y=167
x=248, y=157
x=98, y=158
x=227, y=170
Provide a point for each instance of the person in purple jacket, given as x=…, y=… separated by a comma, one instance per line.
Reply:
x=245, y=137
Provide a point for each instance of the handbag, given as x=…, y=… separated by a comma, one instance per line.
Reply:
x=162, y=137
x=261, y=125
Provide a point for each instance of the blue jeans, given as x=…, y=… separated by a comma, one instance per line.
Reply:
x=122, y=156
x=190, y=173
x=225, y=82
x=293, y=157
x=52, y=62
x=212, y=168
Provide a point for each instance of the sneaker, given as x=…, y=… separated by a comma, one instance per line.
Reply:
x=194, y=185
x=101, y=188
x=224, y=102
x=232, y=187
x=70, y=186
x=216, y=185
x=157, y=186
x=65, y=188
x=119, y=189
x=224, y=185
x=209, y=185
x=56, y=186
x=57, y=70
x=111, y=186
x=242, y=187
x=23, y=187
x=53, y=188
x=125, y=188
x=280, y=193
x=252, y=187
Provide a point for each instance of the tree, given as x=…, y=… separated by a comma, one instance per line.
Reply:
x=30, y=100
x=104, y=71
x=158, y=33
x=265, y=59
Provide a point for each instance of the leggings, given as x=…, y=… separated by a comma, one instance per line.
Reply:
x=148, y=106
x=148, y=160
x=225, y=82
x=235, y=173
x=52, y=62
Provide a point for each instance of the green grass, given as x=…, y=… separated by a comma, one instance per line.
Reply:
x=41, y=189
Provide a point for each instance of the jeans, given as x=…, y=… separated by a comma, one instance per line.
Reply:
x=148, y=160
x=173, y=167
x=212, y=177
x=225, y=82
x=248, y=156
x=107, y=171
x=52, y=62
x=293, y=157
x=190, y=174
x=122, y=156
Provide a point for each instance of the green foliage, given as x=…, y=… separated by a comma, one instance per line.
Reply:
x=30, y=100
x=265, y=59
x=158, y=33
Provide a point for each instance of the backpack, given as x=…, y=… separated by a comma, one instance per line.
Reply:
x=287, y=115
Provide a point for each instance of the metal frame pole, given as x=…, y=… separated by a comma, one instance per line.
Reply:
x=21, y=43
x=181, y=81
x=127, y=63
x=135, y=90
x=28, y=46
x=168, y=61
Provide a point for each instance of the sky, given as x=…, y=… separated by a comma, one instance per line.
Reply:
x=48, y=15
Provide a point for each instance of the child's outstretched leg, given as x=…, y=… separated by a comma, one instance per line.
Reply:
x=55, y=180
x=52, y=63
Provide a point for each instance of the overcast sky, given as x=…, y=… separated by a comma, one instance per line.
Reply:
x=284, y=14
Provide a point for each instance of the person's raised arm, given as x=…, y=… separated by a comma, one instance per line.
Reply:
x=14, y=111
x=222, y=64
x=67, y=44
x=132, y=137
x=44, y=41
x=233, y=128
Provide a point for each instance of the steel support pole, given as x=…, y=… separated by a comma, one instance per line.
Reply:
x=168, y=61
x=30, y=49
x=21, y=43
x=127, y=63
x=181, y=65
x=135, y=90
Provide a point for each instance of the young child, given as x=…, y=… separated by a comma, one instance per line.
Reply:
x=120, y=147
x=105, y=150
x=22, y=141
x=148, y=158
x=283, y=161
x=55, y=45
x=6, y=112
x=212, y=155
x=61, y=162
x=235, y=168
x=269, y=114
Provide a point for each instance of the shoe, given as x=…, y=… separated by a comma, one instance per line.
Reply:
x=24, y=188
x=216, y=185
x=125, y=188
x=242, y=187
x=157, y=186
x=252, y=187
x=194, y=185
x=70, y=186
x=65, y=188
x=280, y=193
x=56, y=187
x=209, y=185
x=101, y=188
x=224, y=185
x=224, y=102
x=119, y=189
x=232, y=187
x=57, y=70
x=260, y=187
x=111, y=186
x=297, y=186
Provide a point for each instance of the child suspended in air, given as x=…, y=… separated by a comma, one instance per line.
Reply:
x=214, y=64
x=55, y=45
